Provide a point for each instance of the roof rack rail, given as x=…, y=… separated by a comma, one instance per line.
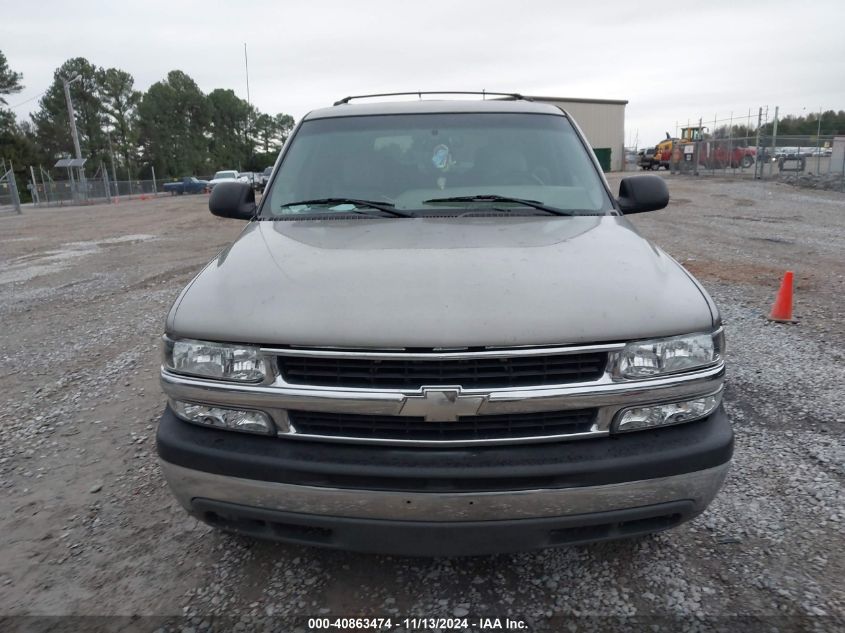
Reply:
x=483, y=93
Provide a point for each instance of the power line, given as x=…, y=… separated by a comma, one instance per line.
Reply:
x=17, y=105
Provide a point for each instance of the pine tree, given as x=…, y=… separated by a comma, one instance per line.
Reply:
x=120, y=103
x=10, y=81
x=173, y=118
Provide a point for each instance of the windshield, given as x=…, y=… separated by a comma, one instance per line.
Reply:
x=415, y=162
x=225, y=174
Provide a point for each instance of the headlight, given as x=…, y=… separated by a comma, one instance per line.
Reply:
x=241, y=363
x=638, y=418
x=644, y=359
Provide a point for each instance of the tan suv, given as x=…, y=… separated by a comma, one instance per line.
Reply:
x=439, y=334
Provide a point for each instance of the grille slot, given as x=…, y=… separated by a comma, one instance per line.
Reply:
x=478, y=372
x=478, y=427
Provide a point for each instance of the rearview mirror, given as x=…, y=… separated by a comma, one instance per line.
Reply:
x=232, y=200
x=642, y=193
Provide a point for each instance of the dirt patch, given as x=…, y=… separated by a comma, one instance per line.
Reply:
x=744, y=273
x=48, y=262
x=788, y=229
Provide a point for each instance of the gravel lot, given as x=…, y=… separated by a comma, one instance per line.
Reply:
x=87, y=526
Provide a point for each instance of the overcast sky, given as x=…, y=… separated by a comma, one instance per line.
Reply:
x=671, y=62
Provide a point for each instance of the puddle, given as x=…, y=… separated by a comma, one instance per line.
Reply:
x=776, y=240
x=137, y=237
x=34, y=265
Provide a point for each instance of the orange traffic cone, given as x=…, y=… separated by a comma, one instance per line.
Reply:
x=782, y=308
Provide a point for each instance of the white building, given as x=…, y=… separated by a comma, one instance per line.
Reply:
x=603, y=123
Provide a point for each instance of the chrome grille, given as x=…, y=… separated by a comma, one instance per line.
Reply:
x=470, y=372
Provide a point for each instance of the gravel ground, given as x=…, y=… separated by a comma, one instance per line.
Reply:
x=88, y=527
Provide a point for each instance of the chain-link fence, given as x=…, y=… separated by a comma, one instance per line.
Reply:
x=760, y=157
x=78, y=189
x=51, y=193
x=9, y=198
x=753, y=149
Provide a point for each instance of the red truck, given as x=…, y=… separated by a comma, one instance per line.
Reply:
x=714, y=153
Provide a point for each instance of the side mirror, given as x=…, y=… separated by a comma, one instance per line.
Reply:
x=642, y=193
x=232, y=200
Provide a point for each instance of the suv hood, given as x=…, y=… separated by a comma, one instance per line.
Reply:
x=432, y=282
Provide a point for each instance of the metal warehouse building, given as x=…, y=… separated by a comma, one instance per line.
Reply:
x=603, y=123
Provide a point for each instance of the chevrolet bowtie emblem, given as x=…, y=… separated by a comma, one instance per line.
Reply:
x=442, y=405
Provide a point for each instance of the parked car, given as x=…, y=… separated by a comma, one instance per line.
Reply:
x=189, y=184
x=265, y=177
x=439, y=334
x=226, y=175
x=799, y=152
x=251, y=177
x=646, y=158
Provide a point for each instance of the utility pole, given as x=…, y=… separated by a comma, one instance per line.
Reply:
x=759, y=149
x=72, y=119
x=775, y=132
x=71, y=116
x=248, y=103
x=731, y=140
x=697, y=145
x=113, y=172
x=246, y=68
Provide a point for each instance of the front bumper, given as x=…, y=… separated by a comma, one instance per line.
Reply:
x=451, y=501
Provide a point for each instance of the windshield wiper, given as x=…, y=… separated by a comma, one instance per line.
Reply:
x=381, y=205
x=534, y=204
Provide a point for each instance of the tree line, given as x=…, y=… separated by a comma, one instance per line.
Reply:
x=832, y=124
x=173, y=127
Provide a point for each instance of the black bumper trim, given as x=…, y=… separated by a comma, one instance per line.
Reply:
x=427, y=538
x=590, y=462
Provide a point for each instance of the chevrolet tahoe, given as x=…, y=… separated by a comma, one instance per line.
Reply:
x=439, y=334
